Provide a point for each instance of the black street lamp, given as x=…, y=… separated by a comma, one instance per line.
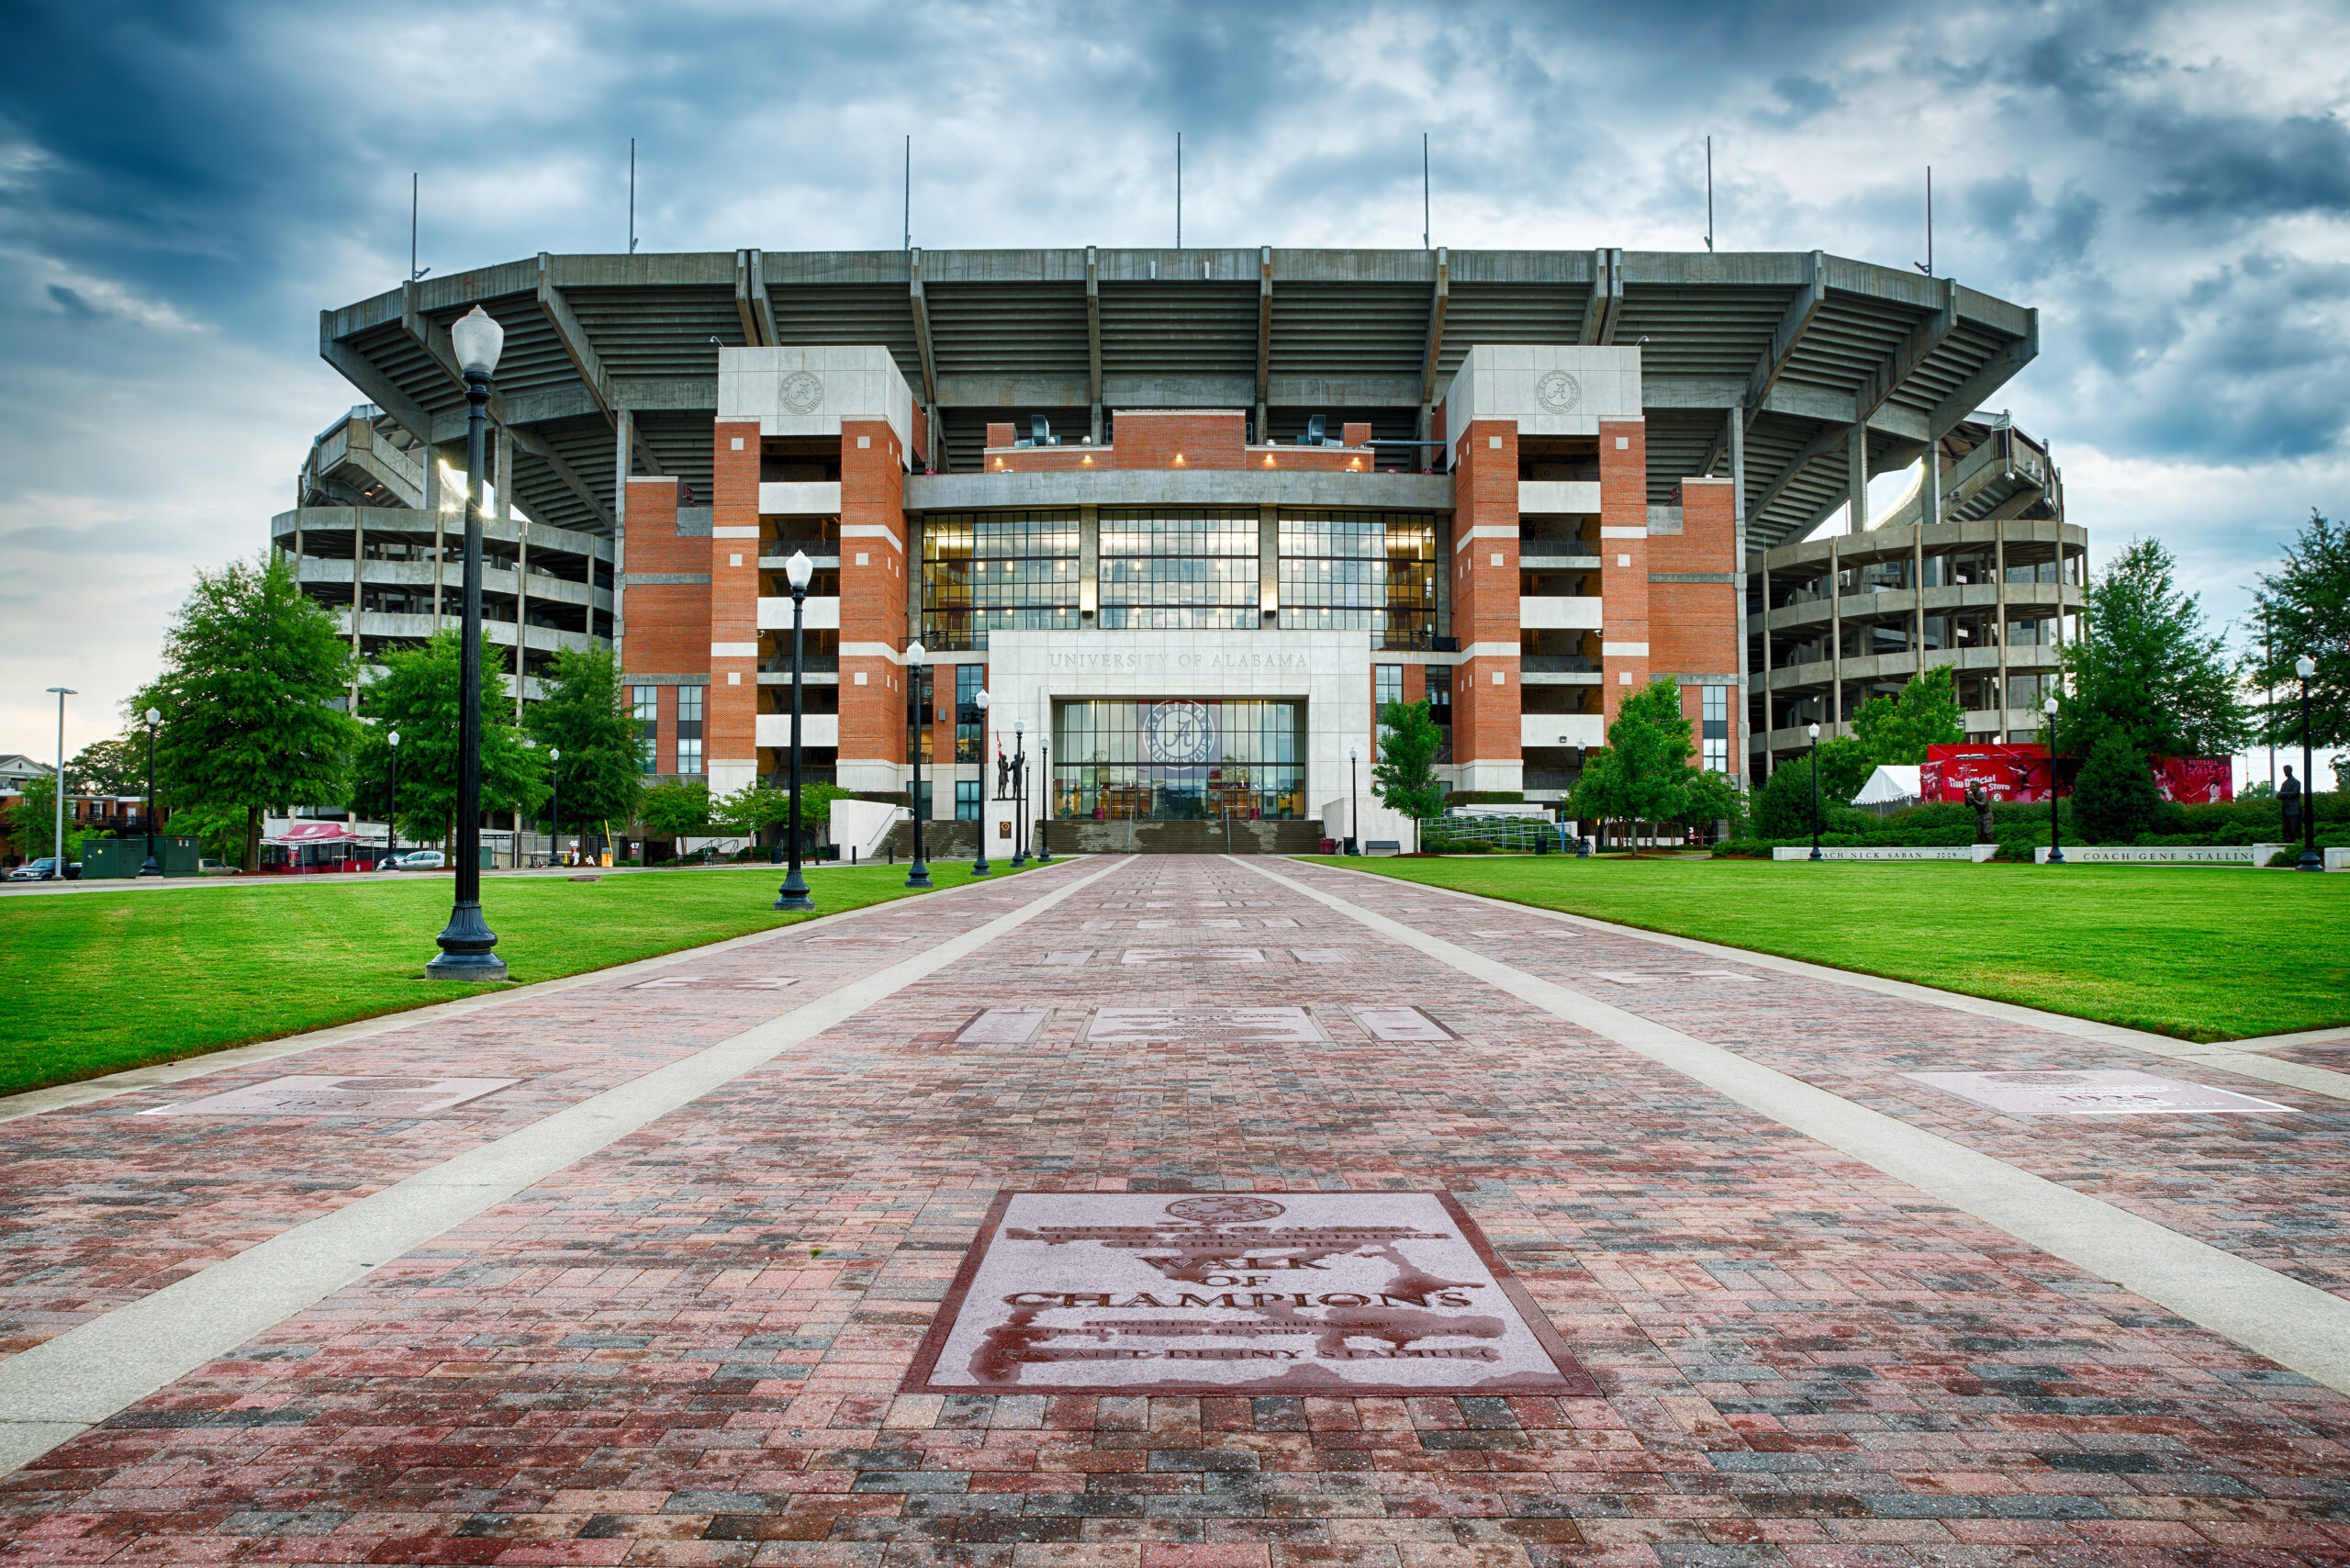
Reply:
x=1044, y=823
x=155, y=717
x=1815, y=793
x=467, y=942
x=793, y=894
x=2306, y=668
x=1354, y=810
x=979, y=867
x=392, y=814
x=918, y=874
x=1019, y=793
x=554, y=838
x=2055, y=849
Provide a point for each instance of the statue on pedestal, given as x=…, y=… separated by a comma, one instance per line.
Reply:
x=1980, y=799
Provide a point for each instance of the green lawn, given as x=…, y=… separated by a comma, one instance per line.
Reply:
x=97, y=982
x=2201, y=953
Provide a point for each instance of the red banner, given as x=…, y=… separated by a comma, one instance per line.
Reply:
x=2006, y=772
x=2194, y=781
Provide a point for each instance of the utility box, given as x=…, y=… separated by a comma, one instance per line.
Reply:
x=105, y=857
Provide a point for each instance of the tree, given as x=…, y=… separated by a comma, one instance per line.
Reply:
x=1403, y=779
x=2305, y=610
x=1783, y=807
x=118, y=767
x=1644, y=774
x=2145, y=664
x=581, y=715
x=676, y=807
x=254, y=674
x=2114, y=799
x=1844, y=766
x=1899, y=729
x=1713, y=798
x=417, y=697
x=32, y=821
x=756, y=807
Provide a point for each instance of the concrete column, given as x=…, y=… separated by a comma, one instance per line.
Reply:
x=1737, y=732
x=1835, y=638
x=1089, y=568
x=2000, y=625
x=1856, y=453
x=625, y=434
x=358, y=565
x=521, y=604
x=1269, y=563
x=433, y=503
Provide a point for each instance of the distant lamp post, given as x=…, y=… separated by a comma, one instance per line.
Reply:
x=392, y=812
x=2306, y=668
x=1019, y=793
x=1044, y=823
x=918, y=874
x=58, y=846
x=979, y=867
x=2055, y=849
x=1354, y=810
x=1815, y=791
x=793, y=894
x=554, y=774
x=155, y=717
x=467, y=942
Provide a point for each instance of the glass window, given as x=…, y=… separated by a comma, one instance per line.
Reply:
x=1178, y=569
x=1713, y=726
x=690, y=698
x=920, y=729
x=968, y=680
x=1440, y=682
x=1386, y=685
x=966, y=800
x=645, y=707
x=997, y=570
x=1177, y=759
x=1343, y=570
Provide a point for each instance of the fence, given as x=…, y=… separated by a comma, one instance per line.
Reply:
x=1493, y=835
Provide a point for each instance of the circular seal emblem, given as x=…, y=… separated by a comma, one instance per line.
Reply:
x=802, y=393
x=1234, y=1209
x=1558, y=393
x=1178, y=732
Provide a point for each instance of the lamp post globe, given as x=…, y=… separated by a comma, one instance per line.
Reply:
x=466, y=943
x=391, y=809
x=2306, y=668
x=979, y=867
x=2055, y=847
x=797, y=572
x=554, y=777
x=1019, y=792
x=155, y=717
x=918, y=874
x=1814, y=731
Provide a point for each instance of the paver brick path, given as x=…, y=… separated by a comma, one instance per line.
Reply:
x=688, y=1346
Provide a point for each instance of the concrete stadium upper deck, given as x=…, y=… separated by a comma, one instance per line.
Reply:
x=1807, y=346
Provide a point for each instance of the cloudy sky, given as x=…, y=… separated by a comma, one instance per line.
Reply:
x=185, y=184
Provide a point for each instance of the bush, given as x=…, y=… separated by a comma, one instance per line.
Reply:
x=2114, y=797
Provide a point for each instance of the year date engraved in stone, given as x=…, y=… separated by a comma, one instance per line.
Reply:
x=1240, y=1293
x=1201, y=1026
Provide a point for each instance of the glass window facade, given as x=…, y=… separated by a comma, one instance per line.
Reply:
x=997, y=571
x=1174, y=569
x=1179, y=759
x=968, y=680
x=645, y=707
x=1386, y=685
x=1439, y=684
x=1713, y=728
x=689, y=729
x=1345, y=570
x=966, y=800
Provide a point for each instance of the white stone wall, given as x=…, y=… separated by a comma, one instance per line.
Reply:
x=810, y=390
x=1550, y=390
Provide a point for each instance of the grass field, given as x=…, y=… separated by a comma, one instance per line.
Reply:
x=2203, y=954
x=93, y=983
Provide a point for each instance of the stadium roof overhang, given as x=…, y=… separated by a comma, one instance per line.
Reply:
x=1806, y=348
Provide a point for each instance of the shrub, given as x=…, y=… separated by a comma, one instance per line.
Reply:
x=2115, y=798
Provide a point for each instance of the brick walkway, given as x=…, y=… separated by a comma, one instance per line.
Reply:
x=687, y=1345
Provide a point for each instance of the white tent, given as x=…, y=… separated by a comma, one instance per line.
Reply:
x=1893, y=784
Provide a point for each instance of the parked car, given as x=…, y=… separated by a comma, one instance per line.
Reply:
x=208, y=868
x=418, y=861
x=44, y=870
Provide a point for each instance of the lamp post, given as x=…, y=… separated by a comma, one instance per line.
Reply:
x=392, y=812
x=918, y=874
x=1815, y=791
x=467, y=942
x=554, y=775
x=793, y=894
x=1354, y=810
x=1019, y=793
x=980, y=865
x=154, y=718
x=58, y=846
x=2055, y=849
x=1044, y=823
x=2306, y=668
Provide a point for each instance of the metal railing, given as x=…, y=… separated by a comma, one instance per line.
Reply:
x=810, y=664
x=1558, y=664
x=1550, y=548
x=1522, y=835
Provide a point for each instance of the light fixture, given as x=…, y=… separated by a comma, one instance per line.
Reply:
x=155, y=715
x=477, y=338
x=798, y=569
x=1814, y=730
x=2306, y=668
x=2049, y=707
x=394, y=739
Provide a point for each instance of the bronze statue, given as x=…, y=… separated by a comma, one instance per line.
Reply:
x=1980, y=799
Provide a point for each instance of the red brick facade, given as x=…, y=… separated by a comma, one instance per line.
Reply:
x=731, y=716
x=1485, y=593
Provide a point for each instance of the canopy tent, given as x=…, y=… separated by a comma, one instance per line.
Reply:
x=317, y=833
x=1893, y=784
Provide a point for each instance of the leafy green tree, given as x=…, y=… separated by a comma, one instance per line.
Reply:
x=1844, y=766
x=254, y=674
x=1899, y=729
x=2114, y=799
x=756, y=807
x=2146, y=665
x=419, y=697
x=582, y=716
x=32, y=821
x=1403, y=779
x=1713, y=798
x=2304, y=609
x=1783, y=807
x=1644, y=774
x=118, y=767
x=217, y=827
x=676, y=807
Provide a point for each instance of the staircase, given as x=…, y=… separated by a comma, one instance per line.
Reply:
x=959, y=840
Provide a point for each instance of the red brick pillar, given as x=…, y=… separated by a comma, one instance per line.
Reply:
x=1484, y=606
x=873, y=606
x=1624, y=559
x=731, y=714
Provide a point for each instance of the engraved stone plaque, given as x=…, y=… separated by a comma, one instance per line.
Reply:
x=1726, y=974
x=859, y=936
x=1400, y=1024
x=1238, y=1293
x=1169, y=925
x=1200, y=1025
x=1624, y=977
x=1277, y=922
x=1320, y=955
x=1194, y=955
x=714, y=982
x=2110, y=1092
x=349, y=1095
x=1002, y=1026
x=1072, y=957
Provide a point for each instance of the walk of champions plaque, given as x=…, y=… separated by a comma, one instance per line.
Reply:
x=1237, y=1293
